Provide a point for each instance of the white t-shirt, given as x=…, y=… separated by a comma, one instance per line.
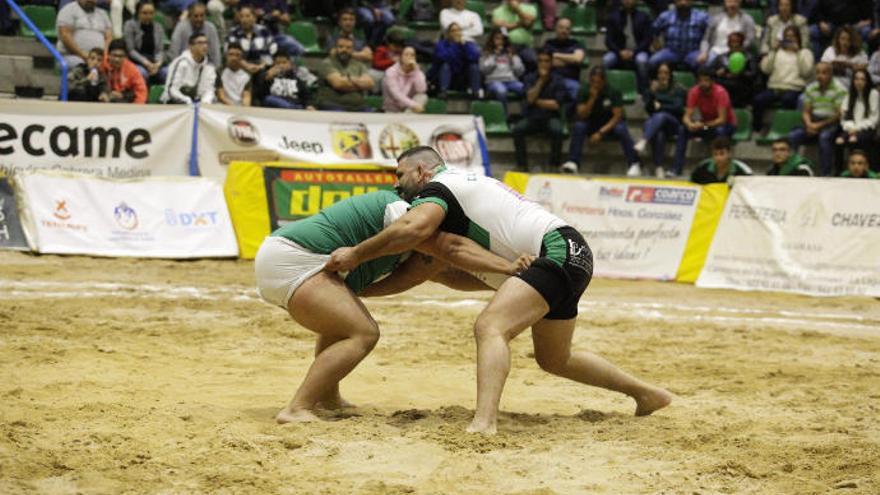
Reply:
x=234, y=83
x=469, y=21
x=88, y=27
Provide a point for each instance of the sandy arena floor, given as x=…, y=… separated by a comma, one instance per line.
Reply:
x=146, y=376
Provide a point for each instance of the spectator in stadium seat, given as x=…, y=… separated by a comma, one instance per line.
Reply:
x=86, y=82
x=786, y=163
x=456, y=64
x=628, y=40
x=731, y=20
x=722, y=167
x=195, y=24
x=845, y=55
x=789, y=66
x=375, y=17
x=599, y=112
x=257, y=42
x=859, y=114
x=274, y=15
x=144, y=41
x=346, y=27
x=711, y=101
x=664, y=102
x=829, y=15
x=404, y=86
x=469, y=21
x=191, y=76
x=857, y=166
x=343, y=82
x=278, y=86
x=568, y=53
x=821, y=115
x=124, y=81
x=773, y=35
x=545, y=93
x=682, y=30
x=501, y=68
x=81, y=26
x=233, y=82
x=874, y=67
x=517, y=18
x=739, y=85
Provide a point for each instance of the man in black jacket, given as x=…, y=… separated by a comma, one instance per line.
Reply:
x=628, y=40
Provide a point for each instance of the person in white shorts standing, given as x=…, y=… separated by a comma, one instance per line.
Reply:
x=290, y=270
x=543, y=296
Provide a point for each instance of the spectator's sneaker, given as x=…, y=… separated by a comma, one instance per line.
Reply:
x=640, y=146
x=569, y=167
x=660, y=173
x=635, y=170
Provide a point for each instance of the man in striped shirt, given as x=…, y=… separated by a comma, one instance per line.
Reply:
x=822, y=100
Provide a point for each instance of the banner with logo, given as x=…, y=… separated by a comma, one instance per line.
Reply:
x=805, y=235
x=11, y=235
x=264, y=196
x=636, y=229
x=228, y=134
x=116, y=141
x=182, y=217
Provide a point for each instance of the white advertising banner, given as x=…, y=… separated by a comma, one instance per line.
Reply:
x=229, y=134
x=160, y=217
x=636, y=230
x=98, y=139
x=793, y=234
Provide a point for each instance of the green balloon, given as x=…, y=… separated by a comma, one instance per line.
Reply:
x=736, y=62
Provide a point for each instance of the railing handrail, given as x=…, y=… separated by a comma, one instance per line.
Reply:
x=47, y=44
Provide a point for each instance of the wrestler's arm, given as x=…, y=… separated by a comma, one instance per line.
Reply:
x=412, y=272
x=468, y=255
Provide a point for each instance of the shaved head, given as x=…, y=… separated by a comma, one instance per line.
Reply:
x=421, y=155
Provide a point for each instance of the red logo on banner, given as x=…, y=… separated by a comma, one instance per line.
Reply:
x=638, y=194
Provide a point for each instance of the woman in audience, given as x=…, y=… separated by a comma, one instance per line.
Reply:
x=790, y=67
x=736, y=71
x=501, y=68
x=456, y=64
x=859, y=115
x=144, y=42
x=774, y=29
x=404, y=87
x=664, y=101
x=845, y=54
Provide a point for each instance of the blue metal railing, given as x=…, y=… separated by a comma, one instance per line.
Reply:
x=49, y=46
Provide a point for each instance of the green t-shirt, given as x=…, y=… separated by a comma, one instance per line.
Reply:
x=608, y=99
x=348, y=223
x=869, y=174
x=520, y=35
x=326, y=94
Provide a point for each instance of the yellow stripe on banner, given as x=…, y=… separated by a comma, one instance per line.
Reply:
x=706, y=218
x=245, y=193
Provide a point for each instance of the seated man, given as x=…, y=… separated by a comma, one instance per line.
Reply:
x=517, y=18
x=786, y=163
x=279, y=87
x=710, y=99
x=190, y=76
x=376, y=18
x=469, y=21
x=82, y=26
x=344, y=82
x=722, y=167
x=233, y=82
x=821, y=114
x=257, y=42
x=124, y=81
x=682, y=31
x=346, y=27
x=628, y=40
x=195, y=24
x=599, y=112
x=568, y=53
x=857, y=166
x=544, y=92
x=86, y=82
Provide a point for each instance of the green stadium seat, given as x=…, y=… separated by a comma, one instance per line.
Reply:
x=374, y=101
x=685, y=78
x=743, y=125
x=479, y=7
x=493, y=116
x=306, y=33
x=435, y=106
x=43, y=17
x=625, y=82
x=583, y=18
x=783, y=122
x=405, y=32
x=156, y=91
x=757, y=15
x=403, y=9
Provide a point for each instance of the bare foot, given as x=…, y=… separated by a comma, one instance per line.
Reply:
x=299, y=416
x=335, y=403
x=482, y=429
x=651, y=401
